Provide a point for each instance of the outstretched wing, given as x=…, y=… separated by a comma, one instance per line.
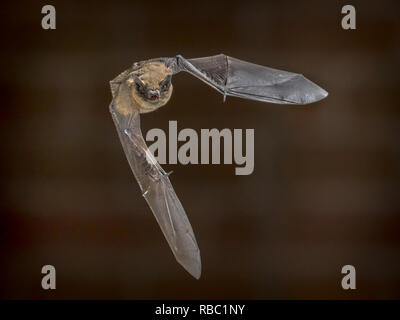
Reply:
x=154, y=183
x=234, y=77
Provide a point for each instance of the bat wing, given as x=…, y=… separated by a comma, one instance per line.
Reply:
x=234, y=77
x=157, y=189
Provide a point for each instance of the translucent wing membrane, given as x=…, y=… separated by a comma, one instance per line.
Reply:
x=157, y=190
x=234, y=77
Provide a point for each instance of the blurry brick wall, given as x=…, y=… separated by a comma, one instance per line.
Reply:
x=324, y=193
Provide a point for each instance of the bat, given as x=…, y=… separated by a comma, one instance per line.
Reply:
x=146, y=86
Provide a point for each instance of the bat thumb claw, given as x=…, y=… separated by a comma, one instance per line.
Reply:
x=146, y=192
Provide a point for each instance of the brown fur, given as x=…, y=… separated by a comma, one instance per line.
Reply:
x=123, y=100
x=151, y=74
x=126, y=97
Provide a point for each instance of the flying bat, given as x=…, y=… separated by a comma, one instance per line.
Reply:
x=146, y=86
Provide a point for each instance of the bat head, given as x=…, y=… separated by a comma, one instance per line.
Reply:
x=151, y=86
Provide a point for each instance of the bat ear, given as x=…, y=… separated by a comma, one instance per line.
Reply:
x=137, y=81
x=166, y=79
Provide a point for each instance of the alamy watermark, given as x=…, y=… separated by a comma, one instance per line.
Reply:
x=231, y=142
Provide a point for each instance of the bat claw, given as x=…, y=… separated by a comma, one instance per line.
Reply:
x=146, y=192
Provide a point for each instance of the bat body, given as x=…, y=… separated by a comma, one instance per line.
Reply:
x=146, y=86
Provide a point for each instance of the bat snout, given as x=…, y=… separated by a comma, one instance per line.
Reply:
x=153, y=95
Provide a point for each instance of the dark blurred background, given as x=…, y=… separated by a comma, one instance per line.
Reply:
x=324, y=192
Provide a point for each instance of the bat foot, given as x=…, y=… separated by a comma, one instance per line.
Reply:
x=167, y=174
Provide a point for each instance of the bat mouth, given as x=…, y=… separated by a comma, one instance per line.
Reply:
x=154, y=97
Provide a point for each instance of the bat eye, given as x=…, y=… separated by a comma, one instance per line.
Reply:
x=166, y=83
x=165, y=86
x=140, y=88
